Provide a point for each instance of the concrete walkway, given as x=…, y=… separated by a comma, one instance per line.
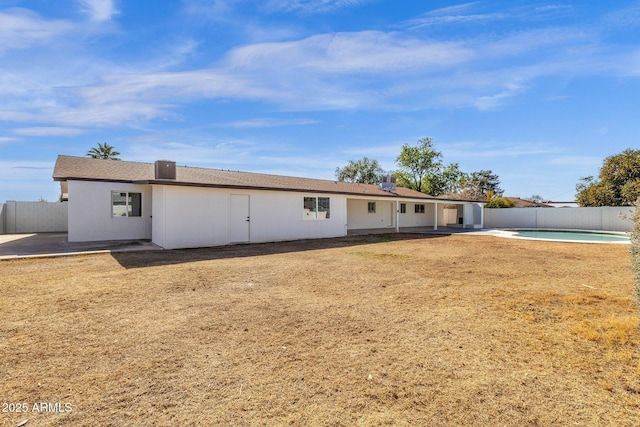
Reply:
x=420, y=230
x=56, y=244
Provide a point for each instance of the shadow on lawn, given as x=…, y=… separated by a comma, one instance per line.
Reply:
x=178, y=256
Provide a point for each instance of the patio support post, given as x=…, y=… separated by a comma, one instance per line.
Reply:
x=397, y=216
x=435, y=221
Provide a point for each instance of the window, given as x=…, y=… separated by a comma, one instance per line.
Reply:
x=419, y=208
x=403, y=208
x=126, y=204
x=371, y=207
x=317, y=208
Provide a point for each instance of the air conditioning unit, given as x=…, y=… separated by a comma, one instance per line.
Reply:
x=388, y=183
x=165, y=169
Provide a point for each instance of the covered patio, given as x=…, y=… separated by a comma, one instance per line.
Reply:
x=381, y=215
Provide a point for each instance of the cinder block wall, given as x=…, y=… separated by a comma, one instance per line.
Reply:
x=603, y=218
x=35, y=217
x=2, y=216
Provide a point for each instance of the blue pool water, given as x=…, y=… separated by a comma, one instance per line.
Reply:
x=578, y=236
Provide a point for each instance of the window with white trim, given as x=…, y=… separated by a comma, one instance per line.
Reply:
x=126, y=204
x=371, y=207
x=419, y=208
x=403, y=208
x=317, y=208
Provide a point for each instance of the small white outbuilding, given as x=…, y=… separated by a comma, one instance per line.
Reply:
x=186, y=207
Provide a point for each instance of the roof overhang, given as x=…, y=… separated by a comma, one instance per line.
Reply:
x=386, y=196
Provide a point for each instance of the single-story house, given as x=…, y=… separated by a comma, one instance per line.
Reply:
x=183, y=207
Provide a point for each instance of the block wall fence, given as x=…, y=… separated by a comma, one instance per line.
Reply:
x=601, y=218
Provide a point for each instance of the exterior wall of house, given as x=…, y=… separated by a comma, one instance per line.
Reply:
x=597, y=218
x=413, y=219
x=199, y=217
x=90, y=212
x=359, y=217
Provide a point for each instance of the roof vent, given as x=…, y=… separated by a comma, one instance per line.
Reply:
x=165, y=169
x=388, y=183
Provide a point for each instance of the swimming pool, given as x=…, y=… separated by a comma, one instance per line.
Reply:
x=573, y=236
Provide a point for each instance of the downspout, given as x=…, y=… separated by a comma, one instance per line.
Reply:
x=435, y=222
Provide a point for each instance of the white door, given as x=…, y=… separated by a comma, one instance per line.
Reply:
x=239, y=219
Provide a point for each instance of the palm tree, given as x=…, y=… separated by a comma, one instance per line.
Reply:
x=103, y=151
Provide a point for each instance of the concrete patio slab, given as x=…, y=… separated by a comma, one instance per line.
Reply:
x=57, y=244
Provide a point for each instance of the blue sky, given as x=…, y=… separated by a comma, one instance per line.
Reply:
x=538, y=92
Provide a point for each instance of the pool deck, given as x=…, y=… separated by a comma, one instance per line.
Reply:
x=513, y=234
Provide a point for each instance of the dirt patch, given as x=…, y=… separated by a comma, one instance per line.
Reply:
x=364, y=330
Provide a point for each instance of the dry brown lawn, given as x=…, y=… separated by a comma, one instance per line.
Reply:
x=402, y=330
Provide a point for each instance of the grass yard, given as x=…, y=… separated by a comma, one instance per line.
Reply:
x=359, y=331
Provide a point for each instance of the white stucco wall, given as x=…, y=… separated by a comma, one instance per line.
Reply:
x=90, y=212
x=279, y=216
x=198, y=217
x=413, y=219
x=599, y=218
x=359, y=218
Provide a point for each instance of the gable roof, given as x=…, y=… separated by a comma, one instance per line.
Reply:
x=88, y=169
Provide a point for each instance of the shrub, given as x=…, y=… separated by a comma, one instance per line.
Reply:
x=494, y=201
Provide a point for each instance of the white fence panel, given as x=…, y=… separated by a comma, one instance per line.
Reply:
x=604, y=218
x=510, y=218
x=35, y=217
x=2, y=216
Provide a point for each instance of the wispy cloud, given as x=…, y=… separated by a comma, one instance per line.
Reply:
x=214, y=153
x=370, y=52
x=268, y=123
x=577, y=161
x=311, y=6
x=472, y=149
x=369, y=70
x=99, y=10
x=21, y=28
x=48, y=131
x=492, y=102
x=623, y=18
x=458, y=14
x=6, y=139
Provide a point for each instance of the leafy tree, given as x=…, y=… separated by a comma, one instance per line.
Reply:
x=447, y=179
x=103, y=151
x=364, y=171
x=618, y=183
x=416, y=163
x=479, y=184
x=494, y=201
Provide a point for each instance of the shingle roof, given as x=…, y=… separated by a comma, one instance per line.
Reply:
x=88, y=169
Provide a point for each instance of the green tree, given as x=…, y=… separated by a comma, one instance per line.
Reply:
x=618, y=183
x=447, y=179
x=494, y=201
x=478, y=185
x=416, y=163
x=364, y=171
x=103, y=151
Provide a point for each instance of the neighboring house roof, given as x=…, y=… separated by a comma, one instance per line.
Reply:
x=521, y=203
x=88, y=169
